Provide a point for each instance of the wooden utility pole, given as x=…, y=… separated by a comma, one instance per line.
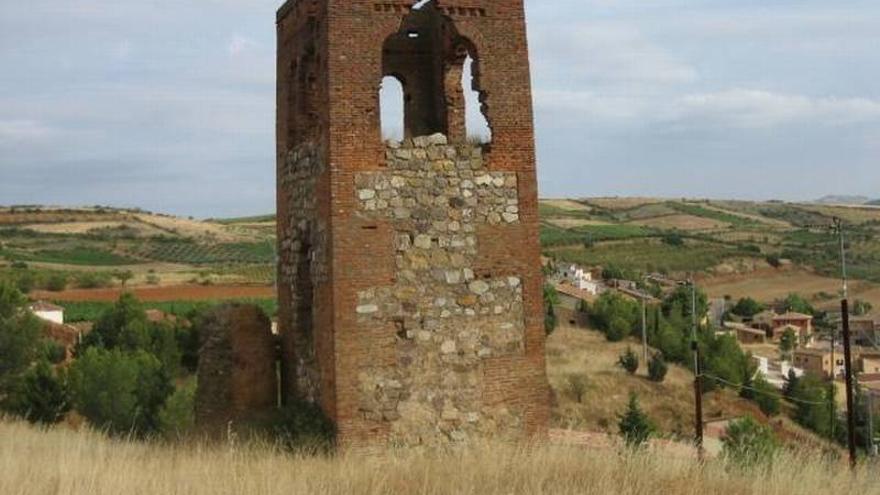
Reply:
x=847, y=351
x=850, y=408
x=698, y=390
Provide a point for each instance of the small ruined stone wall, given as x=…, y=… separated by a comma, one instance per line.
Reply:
x=449, y=317
x=302, y=253
x=237, y=369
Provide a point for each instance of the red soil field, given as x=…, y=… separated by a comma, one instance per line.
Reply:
x=157, y=294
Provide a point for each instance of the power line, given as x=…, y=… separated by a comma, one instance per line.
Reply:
x=763, y=392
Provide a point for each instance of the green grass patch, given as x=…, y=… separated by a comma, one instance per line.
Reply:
x=78, y=255
x=91, y=311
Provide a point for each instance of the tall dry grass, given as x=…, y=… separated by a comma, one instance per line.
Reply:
x=64, y=462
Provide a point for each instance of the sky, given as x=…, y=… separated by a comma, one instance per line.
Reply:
x=168, y=105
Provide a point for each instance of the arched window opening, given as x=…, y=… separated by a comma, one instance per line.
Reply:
x=429, y=56
x=476, y=124
x=391, y=109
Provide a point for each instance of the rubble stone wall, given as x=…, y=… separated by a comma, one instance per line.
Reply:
x=237, y=369
x=448, y=317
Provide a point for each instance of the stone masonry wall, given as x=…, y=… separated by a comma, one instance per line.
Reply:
x=449, y=317
x=302, y=267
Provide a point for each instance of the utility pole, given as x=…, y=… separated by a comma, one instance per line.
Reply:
x=870, y=436
x=847, y=351
x=698, y=390
x=644, y=330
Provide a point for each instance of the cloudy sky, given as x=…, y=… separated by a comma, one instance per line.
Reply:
x=169, y=104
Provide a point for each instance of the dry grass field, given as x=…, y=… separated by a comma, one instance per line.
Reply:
x=769, y=284
x=65, y=462
x=566, y=204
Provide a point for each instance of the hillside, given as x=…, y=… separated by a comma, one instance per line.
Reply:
x=716, y=240
x=156, y=248
x=63, y=462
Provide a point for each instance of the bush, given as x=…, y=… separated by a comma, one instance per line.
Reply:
x=52, y=351
x=120, y=392
x=20, y=335
x=747, y=307
x=41, y=395
x=657, y=368
x=748, y=443
x=578, y=385
x=629, y=361
x=634, y=425
x=302, y=425
x=617, y=330
x=92, y=280
x=177, y=416
x=550, y=319
x=765, y=396
x=57, y=282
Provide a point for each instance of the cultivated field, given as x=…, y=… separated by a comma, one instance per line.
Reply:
x=165, y=293
x=63, y=462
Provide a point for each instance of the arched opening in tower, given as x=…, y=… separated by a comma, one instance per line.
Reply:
x=438, y=70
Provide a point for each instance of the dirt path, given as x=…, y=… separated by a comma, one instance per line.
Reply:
x=166, y=293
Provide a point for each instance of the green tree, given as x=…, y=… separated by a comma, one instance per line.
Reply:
x=123, y=276
x=815, y=406
x=20, y=336
x=748, y=443
x=787, y=343
x=41, y=395
x=796, y=303
x=551, y=299
x=123, y=326
x=747, y=307
x=657, y=368
x=612, y=305
x=177, y=418
x=683, y=297
x=765, y=395
x=618, y=330
x=634, y=425
x=120, y=392
x=629, y=361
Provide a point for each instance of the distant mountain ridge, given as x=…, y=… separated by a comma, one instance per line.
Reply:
x=843, y=199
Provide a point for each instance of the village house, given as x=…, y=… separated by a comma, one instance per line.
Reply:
x=801, y=324
x=570, y=299
x=746, y=335
x=863, y=329
x=815, y=361
x=869, y=362
x=48, y=312
x=581, y=279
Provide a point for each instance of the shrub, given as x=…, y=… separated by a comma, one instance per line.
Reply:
x=550, y=319
x=629, y=361
x=20, y=335
x=57, y=282
x=52, y=351
x=92, y=280
x=764, y=394
x=41, y=395
x=747, y=307
x=177, y=416
x=634, y=425
x=617, y=330
x=748, y=443
x=302, y=425
x=657, y=368
x=578, y=385
x=120, y=392
x=153, y=279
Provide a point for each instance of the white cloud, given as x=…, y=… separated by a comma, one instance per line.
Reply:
x=761, y=109
x=12, y=131
x=240, y=44
x=604, y=53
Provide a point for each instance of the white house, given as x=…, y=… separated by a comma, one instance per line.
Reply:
x=47, y=311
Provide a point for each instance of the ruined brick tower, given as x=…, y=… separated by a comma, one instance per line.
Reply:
x=409, y=279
